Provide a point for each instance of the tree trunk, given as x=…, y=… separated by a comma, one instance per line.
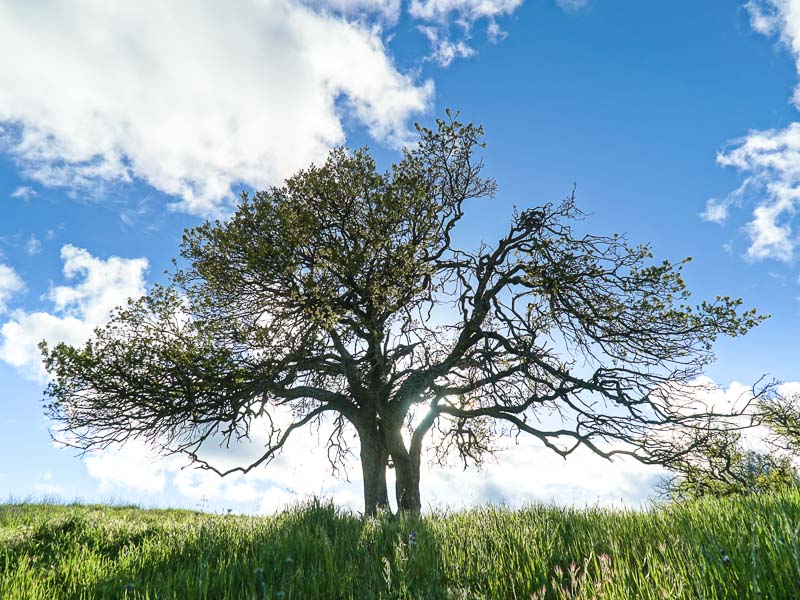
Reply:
x=406, y=487
x=406, y=472
x=374, y=457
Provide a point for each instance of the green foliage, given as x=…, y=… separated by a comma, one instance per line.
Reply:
x=749, y=472
x=720, y=466
x=731, y=548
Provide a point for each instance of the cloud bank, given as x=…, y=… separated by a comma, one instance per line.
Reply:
x=199, y=98
x=524, y=472
x=193, y=98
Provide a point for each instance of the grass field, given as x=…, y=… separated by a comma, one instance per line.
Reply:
x=735, y=548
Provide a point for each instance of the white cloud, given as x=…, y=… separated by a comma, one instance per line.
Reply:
x=769, y=160
x=716, y=210
x=300, y=472
x=21, y=335
x=448, y=42
x=77, y=309
x=132, y=466
x=782, y=18
x=790, y=388
x=191, y=97
x=445, y=51
x=438, y=14
x=24, y=192
x=771, y=163
x=707, y=395
x=528, y=473
x=10, y=284
x=276, y=499
x=106, y=284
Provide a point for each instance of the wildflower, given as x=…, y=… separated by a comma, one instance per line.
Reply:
x=558, y=571
x=412, y=538
x=130, y=587
x=726, y=559
x=573, y=575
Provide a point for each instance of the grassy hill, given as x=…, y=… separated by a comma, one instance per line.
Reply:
x=731, y=548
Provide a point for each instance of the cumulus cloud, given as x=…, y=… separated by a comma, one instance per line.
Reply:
x=769, y=160
x=193, y=98
x=76, y=309
x=703, y=394
x=10, y=284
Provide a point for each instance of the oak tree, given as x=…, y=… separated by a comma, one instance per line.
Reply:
x=344, y=297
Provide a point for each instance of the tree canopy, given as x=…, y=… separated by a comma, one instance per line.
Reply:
x=348, y=295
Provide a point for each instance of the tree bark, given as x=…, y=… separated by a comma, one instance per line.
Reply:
x=374, y=457
x=406, y=473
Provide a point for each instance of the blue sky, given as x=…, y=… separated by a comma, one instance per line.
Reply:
x=122, y=124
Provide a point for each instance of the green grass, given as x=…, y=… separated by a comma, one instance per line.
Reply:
x=317, y=551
